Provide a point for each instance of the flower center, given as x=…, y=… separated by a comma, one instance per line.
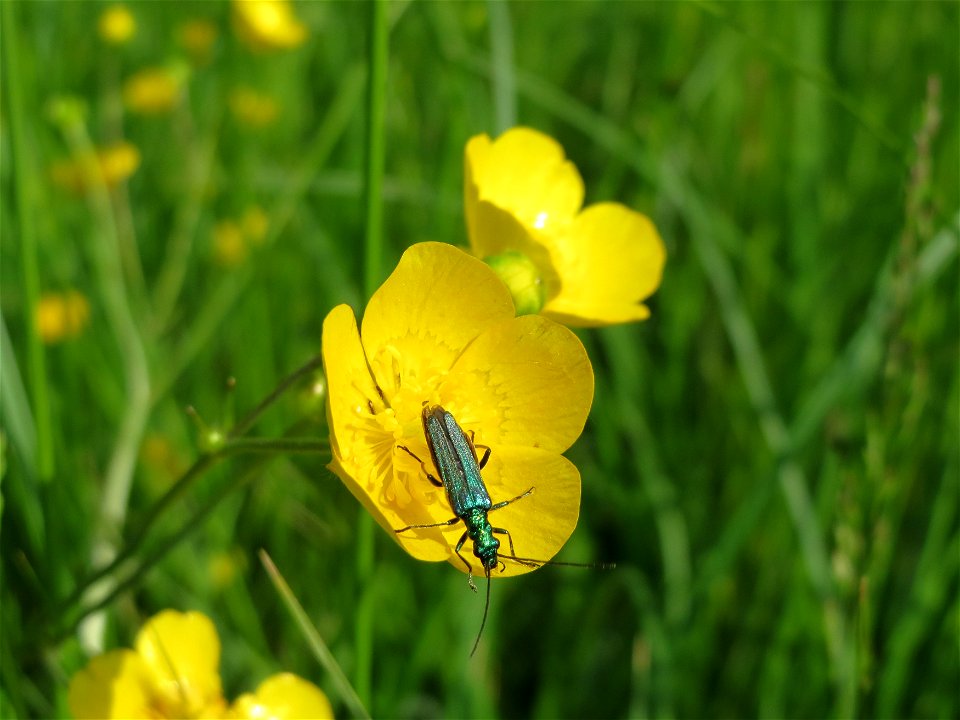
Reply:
x=393, y=419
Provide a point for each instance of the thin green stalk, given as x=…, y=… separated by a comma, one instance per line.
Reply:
x=105, y=258
x=24, y=189
x=335, y=123
x=317, y=645
x=501, y=65
x=231, y=447
x=200, y=161
x=267, y=449
x=373, y=256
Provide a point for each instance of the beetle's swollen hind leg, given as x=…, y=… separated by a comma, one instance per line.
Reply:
x=504, y=531
x=423, y=465
x=463, y=539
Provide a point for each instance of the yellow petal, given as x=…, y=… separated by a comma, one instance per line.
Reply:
x=267, y=24
x=433, y=304
x=113, y=685
x=525, y=173
x=539, y=523
x=283, y=697
x=182, y=654
x=360, y=459
x=526, y=381
x=609, y=260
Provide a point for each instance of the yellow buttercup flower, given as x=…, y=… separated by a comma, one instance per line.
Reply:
x=283, y=697
x=115, y=163
x=442, y=330
x=117, y=24
x=522, y=196
x=267, y=24
x=62, y=316
x=173, y=673
x=153, y=90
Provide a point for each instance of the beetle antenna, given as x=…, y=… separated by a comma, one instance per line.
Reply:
x=534, y=563
x=486, y=607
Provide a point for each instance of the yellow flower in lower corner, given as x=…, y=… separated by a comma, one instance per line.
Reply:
x=173, y=672
x=523, y=200
x=442, y=330
x=268, y=24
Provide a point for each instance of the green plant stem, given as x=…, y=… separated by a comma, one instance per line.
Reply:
x=317, y=645
x=269, y=449
x=105, y=257
x=25, y=189
x=501, y=65
x=270, y=446
x=373, y=255
x=250, y=418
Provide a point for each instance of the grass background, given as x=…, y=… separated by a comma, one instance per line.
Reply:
x=771, y=459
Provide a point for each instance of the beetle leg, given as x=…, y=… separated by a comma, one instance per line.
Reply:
x=504, y=531
x=451, y=521
x=507, y=502
x=463, y=539
x=423, y=465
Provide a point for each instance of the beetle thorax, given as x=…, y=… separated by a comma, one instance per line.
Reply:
x=485, y=545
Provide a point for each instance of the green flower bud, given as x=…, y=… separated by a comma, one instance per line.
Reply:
x=522, y=278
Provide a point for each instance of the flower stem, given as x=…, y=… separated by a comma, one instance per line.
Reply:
x=373, y=207
x=122, y=578
x=501, y=65
x=317, y=645
x=24, y=189
x=232, y=447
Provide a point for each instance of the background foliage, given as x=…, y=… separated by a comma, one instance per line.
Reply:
x=771, y=460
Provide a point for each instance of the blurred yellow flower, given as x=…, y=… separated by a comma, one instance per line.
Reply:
x=267, y=24
x=173, y=673
x=223, y=567
x=596, y=265
x=153, y=91
x=442, y=330
x=255, y=224
x=117, y=24
x=115, y=163
x=62, y=316
x=233, y=239
x=229, y=246
x=283, y=697
x=253, y=108
x=197, y=38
